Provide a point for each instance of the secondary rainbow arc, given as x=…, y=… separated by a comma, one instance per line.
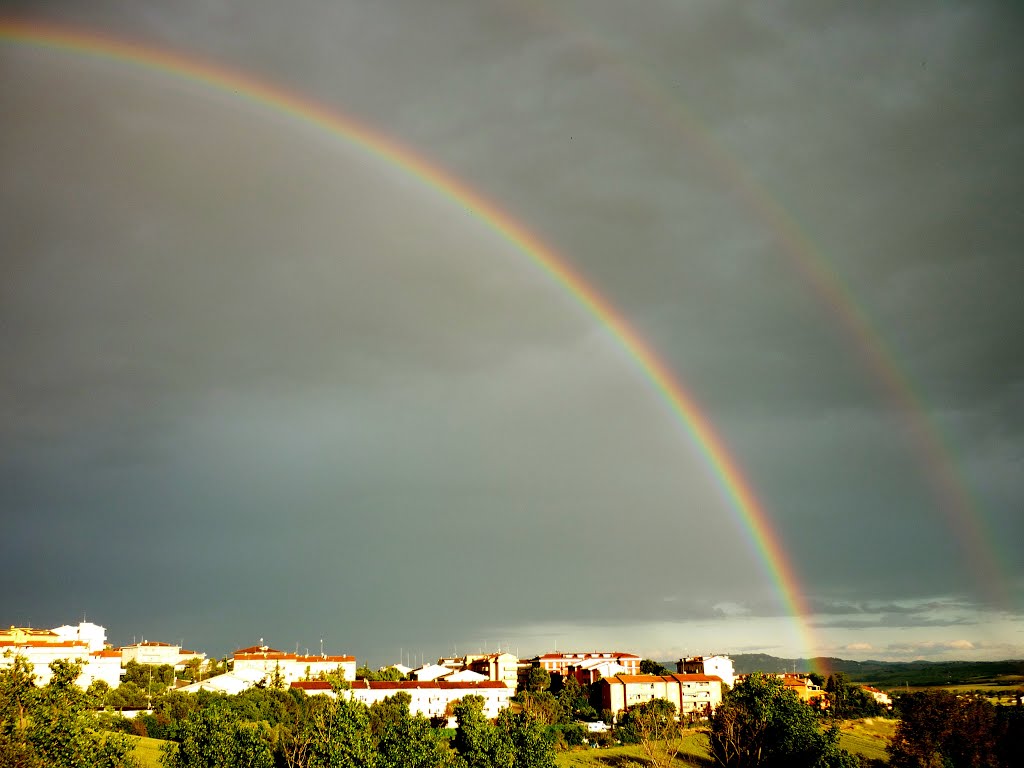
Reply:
x=951, y=493
x=728, y=475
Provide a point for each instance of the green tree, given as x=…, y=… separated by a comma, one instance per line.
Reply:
x=337, y=733
x=390, y=674
x=651, y=667
x=538, y=679
x=211, y=738
x=18, y=694
x=542, y=706
x=518, y=740
x=127, y=695
x=403, y=739
x=654, y=726
x=575, y=701
x=96, y=693
x=525, y=740
x=365, y=673
x=760, y=723
x=475, y=737
x=152, y=679
x=1009, y=733
x=388, y=712
x=944, y=730
x=51, y=726
x=193, y=670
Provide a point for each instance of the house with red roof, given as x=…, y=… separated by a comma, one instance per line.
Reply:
x=291, y=666
x=559, y=663
x=433, y=698
x=696, y=694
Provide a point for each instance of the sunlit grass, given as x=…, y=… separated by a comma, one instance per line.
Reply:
x=147, y=751
x=868, y=737
x=694, y=752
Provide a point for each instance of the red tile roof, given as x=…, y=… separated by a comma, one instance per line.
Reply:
x=402, y=685
x=633, y=679
x=248, y=654
x=257, y=649
x=45, y=644
x=589, y=655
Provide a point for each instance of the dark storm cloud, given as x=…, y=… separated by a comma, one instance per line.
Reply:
x=247, y=355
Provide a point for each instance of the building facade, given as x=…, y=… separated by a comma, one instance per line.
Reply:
x=290, y=666
x=720, y=666
x=432, y=699
x=559, y=663
x=497, y=667
x=697, y=694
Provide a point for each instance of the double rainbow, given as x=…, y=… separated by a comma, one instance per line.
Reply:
x=717, y=457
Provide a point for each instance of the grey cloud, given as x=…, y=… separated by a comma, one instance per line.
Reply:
x=253, y=354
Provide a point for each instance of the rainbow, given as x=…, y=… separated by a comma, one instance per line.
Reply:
x=950, y=490
x=732, y=484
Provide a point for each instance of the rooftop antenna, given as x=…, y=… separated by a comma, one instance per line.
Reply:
x=321, y=646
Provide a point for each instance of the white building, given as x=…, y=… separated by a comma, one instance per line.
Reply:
x=41, y=655
x=880, y=696
x=429, y=698
x=231, y=682
x=93, y=635
x=430, y=672
x=592, y=670
x=559, y=663
x=103, y=665
x=690, y=693
x=291, y=666
x=719, y=666
x=464, y=676
x=149, y=652
x=84, y=644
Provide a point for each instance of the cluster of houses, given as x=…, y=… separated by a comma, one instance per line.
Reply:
x=86, y=644
x=695, y=689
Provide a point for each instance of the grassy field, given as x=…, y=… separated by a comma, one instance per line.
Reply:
x=693, y=753
x=867, y=737
x=997, y=692
x=147, y=751
x=862, y=737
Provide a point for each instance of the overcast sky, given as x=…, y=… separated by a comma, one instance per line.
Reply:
x=260, y=383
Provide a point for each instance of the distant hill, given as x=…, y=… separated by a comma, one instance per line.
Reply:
x=890, y=673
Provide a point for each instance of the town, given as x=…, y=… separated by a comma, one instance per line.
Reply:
x=620, y=680
x=70, y=698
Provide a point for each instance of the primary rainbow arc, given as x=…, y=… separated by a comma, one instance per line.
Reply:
x=722, y=465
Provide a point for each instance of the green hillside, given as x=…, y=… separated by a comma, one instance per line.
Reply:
x=892, y=673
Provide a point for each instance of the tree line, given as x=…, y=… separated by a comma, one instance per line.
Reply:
x=56, y=726
x=759, y=724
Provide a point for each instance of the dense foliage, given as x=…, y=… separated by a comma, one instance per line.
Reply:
x=517, y=740
x=848, y=701
x=51, y=727
x=762, y=725
x=951, y=731
x=651, y=667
